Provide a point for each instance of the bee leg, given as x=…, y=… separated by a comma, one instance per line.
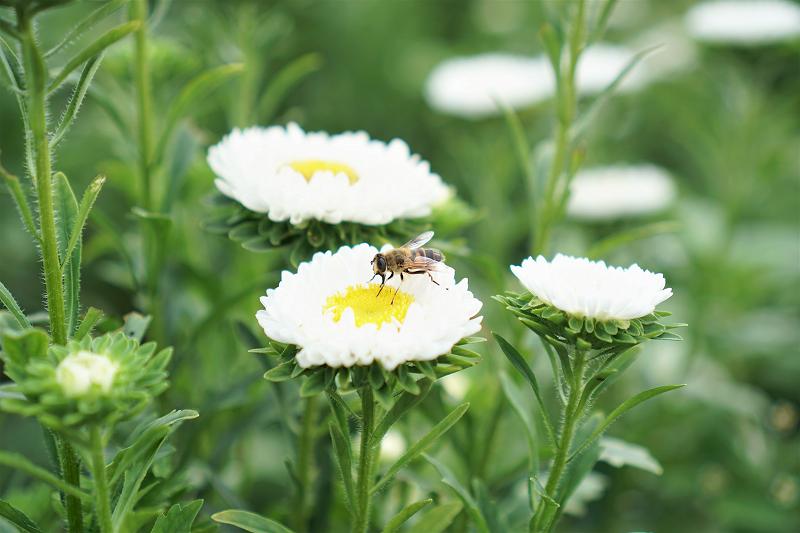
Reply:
x=433, y=280
x=383, y=282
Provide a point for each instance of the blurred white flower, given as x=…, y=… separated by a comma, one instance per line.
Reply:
x=472, y=86
x=585, y=288
x=456, y=385
x=80, y=372
x=393, y=446
x=295, y=175
x=603, y=193
x=330, y=311
x=744, y=22
x=601, y=63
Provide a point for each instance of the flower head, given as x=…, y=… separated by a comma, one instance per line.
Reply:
x=590, y=289
x=744, y=22
x=335, y=317
x=620, y=191
x=472, y=87
x=297, y=176
x=92, y=380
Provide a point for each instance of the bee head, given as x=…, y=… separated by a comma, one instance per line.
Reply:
x=378, y=264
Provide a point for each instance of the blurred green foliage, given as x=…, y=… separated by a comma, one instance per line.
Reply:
x=727, y=128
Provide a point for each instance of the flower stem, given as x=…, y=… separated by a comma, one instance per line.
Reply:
x=304, y=451
x=544, y=519
x=36, y=83
x=102, y=501
x=365, y=459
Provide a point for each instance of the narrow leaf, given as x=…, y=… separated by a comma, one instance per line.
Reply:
x=439, y=518
x=421, y=445
x=67, y=219
x=87, y=201
x=94, y=48
x=75, y=101
x=248, y=521
x=449, y=479
x=11, y=304
x=18, y=518
x=190, y=97
x=345, y=463
x=90, y=319
x=87, y=23
x=404, y=403
x=178, y=519
x=608, y=244
x=522, y=366
x=624, y=407
x=602, y=20
x=283, y=82
x=21, y=201
x=514, y=397
x=407, y=512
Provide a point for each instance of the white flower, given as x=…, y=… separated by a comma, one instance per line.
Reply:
x=620, y=191
x=78, y=373
x=744, y=22
x=473, y=86
x=297, y=176
x=601, y=63
x=334, y=316
x=585, y=288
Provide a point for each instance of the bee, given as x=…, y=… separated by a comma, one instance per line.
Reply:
x=411, y=258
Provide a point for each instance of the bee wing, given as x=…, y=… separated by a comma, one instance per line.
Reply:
x=424, y=263
x=419, y=240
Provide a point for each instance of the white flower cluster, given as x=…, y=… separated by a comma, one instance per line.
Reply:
x=80, y=372
x=744, y=22
x=591, y=289
x=294, y=175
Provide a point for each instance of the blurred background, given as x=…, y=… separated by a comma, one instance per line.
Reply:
x=720, y=119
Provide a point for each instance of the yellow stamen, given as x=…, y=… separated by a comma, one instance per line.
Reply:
x=309, y=167
x=368, y=308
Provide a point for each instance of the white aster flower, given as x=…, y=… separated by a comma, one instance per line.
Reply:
x=590, y=289
x=78, y=373
x=332, y=314
x=473, y=86
x=619, y=191
x=294, y=175
x=744, y=22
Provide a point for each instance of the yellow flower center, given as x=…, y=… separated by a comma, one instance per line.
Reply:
x=309, y=167
x=368, y=308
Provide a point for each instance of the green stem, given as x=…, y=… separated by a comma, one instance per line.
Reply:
x=19, y=462
x=102, y=499
x=544, y=519
x=141, y=74
x=304, y=451
x=365, y=459
x=36, y=83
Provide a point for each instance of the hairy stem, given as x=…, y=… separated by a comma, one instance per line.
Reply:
x=365, y=459
x=101, y=494
x=304, y=453
x=544, y=519
x=36, y=83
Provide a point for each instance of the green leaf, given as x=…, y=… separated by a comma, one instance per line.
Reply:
x=67, y=209
x=314, y=384
x=90, y=319
x=439, y=518
x=21, y=201
x=19, y=347
x=449, y=479
x=514, y=397
x=345, y=463
x=190, y=97
x=92, y=49
x=602, y=20
x=283, y=81
x=612, y=242
x=407, y=512
x=87, y=201
x=19, y=462
x=87, y=23
x=11, y=304
x=624, y=407
x=421, y=445
x=248, y=521
x=75, y=101
x=404, y=403
x=522, y=366
x=178, y=519
x=18, y=518
x=407, y=381
x=281, y=372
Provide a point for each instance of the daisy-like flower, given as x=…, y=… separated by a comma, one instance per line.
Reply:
x=472, y=87
x=744, y=22
x=80, y=372
x=296, y=176
x=591, y=289
x=620, y=191
x=335, y=318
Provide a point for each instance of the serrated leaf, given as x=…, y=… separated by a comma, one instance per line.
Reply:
x=248, y=521
x=421, y=445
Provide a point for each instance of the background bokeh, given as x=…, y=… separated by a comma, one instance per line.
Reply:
x=726, y=126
